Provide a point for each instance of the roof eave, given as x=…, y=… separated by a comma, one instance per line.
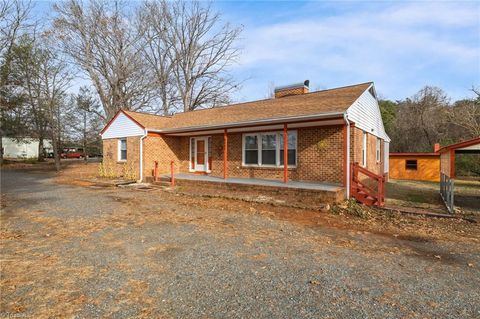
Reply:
x=270, y=121
x=414, y=154
x=466, y=143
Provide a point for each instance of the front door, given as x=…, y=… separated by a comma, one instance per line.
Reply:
x=201, y=154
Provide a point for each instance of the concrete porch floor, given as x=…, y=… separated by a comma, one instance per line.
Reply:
x=259, y=182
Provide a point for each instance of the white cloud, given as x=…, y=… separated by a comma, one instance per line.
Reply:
x=392, y=46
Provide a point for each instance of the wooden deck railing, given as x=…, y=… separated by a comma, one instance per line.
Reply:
x=362, y=191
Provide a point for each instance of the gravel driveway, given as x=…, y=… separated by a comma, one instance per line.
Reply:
x=71, y=251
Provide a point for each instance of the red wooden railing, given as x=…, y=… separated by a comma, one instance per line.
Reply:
x=364, y=193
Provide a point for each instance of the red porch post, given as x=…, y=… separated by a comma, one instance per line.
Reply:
x=285, y=153
x=225, y=154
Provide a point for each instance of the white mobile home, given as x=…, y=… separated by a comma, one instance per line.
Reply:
x=23, y=147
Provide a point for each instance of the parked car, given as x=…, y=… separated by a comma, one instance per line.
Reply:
x=72, y=153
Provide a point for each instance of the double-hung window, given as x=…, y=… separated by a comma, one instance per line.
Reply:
x=251, y=150
x=364, y=149
x=269, y=149
x=122, y=149
x=378, y=150
x=291, y=149
x=266, y=149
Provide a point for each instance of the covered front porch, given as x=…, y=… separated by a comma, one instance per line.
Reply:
x=308, y=193
x=313, y=155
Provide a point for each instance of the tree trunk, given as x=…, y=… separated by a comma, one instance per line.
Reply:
x=56, y=154
x=41, y=156
x=85, y=137
x=1, y=146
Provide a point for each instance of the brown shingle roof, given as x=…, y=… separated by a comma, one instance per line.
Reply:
x=149, y=120
x=326, y=101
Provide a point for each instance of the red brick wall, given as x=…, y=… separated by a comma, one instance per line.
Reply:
x=319, y=157
x=291, y=91
x=165, y=149
x=119, y=168
x=356, y=151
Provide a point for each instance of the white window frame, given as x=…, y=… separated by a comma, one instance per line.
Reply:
x=364, y=149
x=277, y=149
x=119, y=157
x=378, y=150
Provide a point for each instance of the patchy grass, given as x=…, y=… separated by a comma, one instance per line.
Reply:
x=414, y=191
x=426, y=195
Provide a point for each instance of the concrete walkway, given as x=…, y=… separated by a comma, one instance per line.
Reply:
x=259, y=182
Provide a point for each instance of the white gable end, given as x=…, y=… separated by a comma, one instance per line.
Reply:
x=122, y=126
x=365, y=112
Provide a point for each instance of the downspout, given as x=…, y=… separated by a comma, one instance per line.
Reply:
x=347, y=122
x=141, y=155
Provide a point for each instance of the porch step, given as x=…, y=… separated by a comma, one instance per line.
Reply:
x=365, y=198
x=362, y=191
x=161, y=183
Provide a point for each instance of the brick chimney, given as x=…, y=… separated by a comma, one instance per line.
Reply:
x=293, y=89
x=436, y=147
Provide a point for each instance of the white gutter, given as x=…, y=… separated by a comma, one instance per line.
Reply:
x=236, y=124
x=347, y=122
x=141, y=155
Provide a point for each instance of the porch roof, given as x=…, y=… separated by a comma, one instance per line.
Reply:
x=468, y=146
x=320, y=104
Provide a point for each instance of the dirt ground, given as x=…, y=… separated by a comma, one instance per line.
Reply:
x=72, y=249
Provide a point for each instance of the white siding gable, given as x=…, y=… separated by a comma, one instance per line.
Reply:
x=365, y=112
x=122, y=126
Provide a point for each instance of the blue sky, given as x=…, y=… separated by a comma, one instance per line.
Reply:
x=401, y=46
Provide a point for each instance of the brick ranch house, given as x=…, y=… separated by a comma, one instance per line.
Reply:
x=243, y=143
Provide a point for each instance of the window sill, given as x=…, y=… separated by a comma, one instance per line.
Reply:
x=121, y=161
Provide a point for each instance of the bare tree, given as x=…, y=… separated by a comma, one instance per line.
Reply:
x=25, y=68
x=420, y=121
x=55, y=79
x=152, y=23
x=14, y=15
x=44, y=77
x=100, y=39
x=85, y=123
x=466, y=114
x=202, y=50
x=270, y=90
